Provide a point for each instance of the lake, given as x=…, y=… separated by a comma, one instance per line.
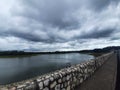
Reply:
x=14, y=69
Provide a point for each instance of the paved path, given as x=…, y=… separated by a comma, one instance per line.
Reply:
x=104, y=78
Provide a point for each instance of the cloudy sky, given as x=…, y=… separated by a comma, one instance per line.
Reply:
x=50, y=25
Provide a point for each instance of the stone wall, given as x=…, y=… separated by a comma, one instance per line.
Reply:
x=64, y=79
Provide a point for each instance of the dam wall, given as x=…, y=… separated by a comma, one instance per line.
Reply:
x=64, y=79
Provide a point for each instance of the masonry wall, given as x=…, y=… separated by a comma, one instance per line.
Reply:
x=64, y=79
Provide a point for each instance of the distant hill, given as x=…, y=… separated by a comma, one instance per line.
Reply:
x=102, y=50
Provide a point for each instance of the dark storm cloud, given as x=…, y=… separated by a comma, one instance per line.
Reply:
x=30, y=36
x=98, y=33
x=27, y=36
x=45, y=37
x=55, y=13
x=98, y=5
x=115, y=38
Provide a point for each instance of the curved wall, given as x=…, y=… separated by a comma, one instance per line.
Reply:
x=64, y=79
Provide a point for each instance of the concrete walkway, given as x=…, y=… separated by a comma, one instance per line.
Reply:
x=104, y=78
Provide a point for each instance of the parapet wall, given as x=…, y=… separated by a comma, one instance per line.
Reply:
x=64, y=79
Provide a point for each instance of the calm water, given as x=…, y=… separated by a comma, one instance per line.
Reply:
x=20, y=68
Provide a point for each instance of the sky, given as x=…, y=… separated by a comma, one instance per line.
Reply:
x=57, y=25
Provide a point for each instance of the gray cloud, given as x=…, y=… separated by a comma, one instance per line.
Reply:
x=60, y=24
x=96, y=33
x=98, y=5
x=56, y=13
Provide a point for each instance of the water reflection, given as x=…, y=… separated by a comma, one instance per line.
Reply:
x=20, y=68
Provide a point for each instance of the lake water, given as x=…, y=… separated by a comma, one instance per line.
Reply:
x=20, y=68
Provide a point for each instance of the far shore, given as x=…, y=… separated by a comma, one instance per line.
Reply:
x=94, y=52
